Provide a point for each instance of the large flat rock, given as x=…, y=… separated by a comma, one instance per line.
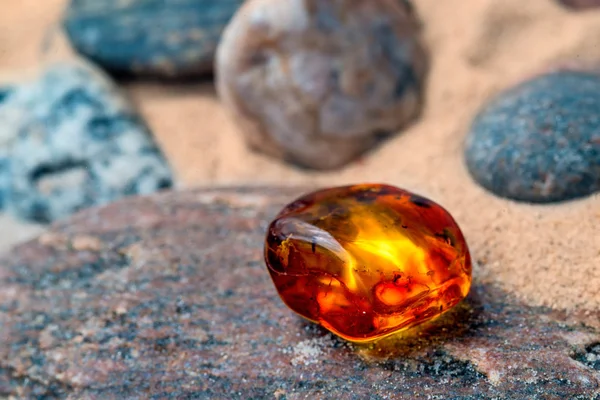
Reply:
x=167, y=297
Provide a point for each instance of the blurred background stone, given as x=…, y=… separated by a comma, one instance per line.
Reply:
x=69, y=140
x=167, y=296
x=539, y=141
x=175, y=38
x=320, y=82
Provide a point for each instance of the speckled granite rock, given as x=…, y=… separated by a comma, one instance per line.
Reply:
x=318, y=82
x=581, y=4
x=70, y=140
x=539, y=141
x=167, y=297
x=150, y=37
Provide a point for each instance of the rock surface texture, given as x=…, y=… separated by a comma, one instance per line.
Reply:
x=69, y=140
x=149, y=37
x=318, y=82
x=168, y=297
x=540, y=141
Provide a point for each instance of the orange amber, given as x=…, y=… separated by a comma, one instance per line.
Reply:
x=366, y=261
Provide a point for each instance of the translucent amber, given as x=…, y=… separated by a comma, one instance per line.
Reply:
x=366, y=261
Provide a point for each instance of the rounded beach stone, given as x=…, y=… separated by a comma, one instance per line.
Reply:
x=153, y=37
x=539, y=141
x=318, y=82
x=70, y=140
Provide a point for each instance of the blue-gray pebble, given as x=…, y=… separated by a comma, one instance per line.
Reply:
x=70, y=140
x=539, y=142
x=176, y=38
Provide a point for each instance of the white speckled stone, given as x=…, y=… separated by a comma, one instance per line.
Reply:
x=70, y=140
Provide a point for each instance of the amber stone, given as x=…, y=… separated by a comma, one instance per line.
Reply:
x=368, y=260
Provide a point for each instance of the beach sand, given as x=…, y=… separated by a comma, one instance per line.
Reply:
x=545, y=255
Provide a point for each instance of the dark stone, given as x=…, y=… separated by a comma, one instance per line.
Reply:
x=168, y=297
x=149, y=37
x=540, y=141
x=70, y=140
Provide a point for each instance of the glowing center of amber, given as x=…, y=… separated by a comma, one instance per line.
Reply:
x=366, y=261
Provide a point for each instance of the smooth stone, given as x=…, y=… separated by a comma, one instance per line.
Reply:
x=318, y=83
x=69, y=140
x=539, y=142
x=149, y=37
x=167, y=296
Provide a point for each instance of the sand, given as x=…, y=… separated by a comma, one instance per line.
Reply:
x=545, y=255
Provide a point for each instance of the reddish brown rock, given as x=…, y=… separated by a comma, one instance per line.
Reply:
x=318, y=82
x=168, y=297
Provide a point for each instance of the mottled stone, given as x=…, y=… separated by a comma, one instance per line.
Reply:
x=581, y=4
x=539, y=141
x=69, y=140
x=149, y=37
x=318, y=82
x=167, y=297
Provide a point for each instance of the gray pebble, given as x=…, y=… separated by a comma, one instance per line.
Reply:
x=539, y=141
